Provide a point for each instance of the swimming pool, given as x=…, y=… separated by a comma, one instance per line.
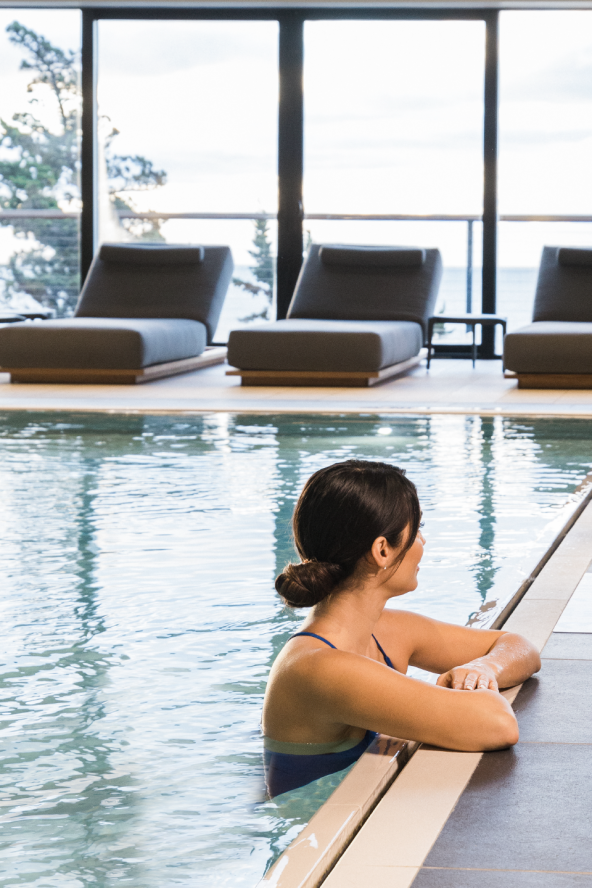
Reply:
x=137, y=562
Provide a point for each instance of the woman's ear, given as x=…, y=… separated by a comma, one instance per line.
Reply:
x=380, y=552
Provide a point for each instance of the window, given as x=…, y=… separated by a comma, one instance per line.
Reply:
x=394, y=126
x=188, y=125
x=39, y=159
x=545, y=145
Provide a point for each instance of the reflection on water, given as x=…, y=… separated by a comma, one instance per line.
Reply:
x=140, y=620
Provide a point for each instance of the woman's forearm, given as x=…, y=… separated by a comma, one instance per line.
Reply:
x=513, y=659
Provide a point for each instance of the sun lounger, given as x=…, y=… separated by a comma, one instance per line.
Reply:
x=358, y=316
x=145, y=311
x=555, y=350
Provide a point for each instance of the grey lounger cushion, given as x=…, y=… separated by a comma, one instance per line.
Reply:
x=564, y=285
x=157, y=280
x=574, y=256
x=377, y=291
x=550, y=347
x=100, y=343
x=324, y=345
x=377, y=257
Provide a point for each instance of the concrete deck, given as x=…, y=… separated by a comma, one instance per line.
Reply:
x=524, y=819
x=450, y=386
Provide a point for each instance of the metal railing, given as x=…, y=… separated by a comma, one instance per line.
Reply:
x=8, y=215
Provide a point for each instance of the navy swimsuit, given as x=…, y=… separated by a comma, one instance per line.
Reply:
x=290, y=765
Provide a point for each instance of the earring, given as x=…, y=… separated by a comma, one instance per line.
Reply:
x=385, y=567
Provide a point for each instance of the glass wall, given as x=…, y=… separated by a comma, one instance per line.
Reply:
x=394, y=125
x=545, y=145
x=39, y=159
x=188, y=125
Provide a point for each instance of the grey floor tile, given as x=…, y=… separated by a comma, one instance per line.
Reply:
x=569, y=646
x=556, y=705
x=441, y=878
x=527, y=808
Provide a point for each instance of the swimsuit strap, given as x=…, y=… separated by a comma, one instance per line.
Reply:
x=387, y=659
x=314, y=635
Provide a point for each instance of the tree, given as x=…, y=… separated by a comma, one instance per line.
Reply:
x=262, y=270
x=39, y=170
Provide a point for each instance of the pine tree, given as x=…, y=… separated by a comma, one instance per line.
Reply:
x=263, y=271
x=39, y=169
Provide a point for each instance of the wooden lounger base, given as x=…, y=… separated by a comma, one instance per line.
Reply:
x=325, y=378
x=551, y=380
x=69, y=376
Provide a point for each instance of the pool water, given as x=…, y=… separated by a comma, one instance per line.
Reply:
x=140, y=621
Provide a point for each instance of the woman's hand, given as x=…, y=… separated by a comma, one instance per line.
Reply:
x=510, y=660
x=473, y=676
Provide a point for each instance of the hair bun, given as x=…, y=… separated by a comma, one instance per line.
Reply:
x=307, y=583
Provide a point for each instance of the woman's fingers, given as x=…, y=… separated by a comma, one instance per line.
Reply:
x=462, y=678
x=471, y=681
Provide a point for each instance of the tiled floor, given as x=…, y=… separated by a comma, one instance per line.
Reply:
x=449, y=386
x=524, y=818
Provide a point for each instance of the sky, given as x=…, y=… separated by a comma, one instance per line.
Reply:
x=393, y=121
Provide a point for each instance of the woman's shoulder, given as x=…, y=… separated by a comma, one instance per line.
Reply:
x=405, y=631
x=301, y=654
x=312, y=670
x=401, y=622
x=404, y=620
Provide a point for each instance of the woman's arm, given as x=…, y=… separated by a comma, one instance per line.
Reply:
x=339, y=688
x=318, y=692
x=463, y=657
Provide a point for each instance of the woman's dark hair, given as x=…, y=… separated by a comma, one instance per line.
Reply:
x=341, y=511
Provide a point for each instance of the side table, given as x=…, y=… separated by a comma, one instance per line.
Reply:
x=38, y=315
x=471, y=320
x=11, y=317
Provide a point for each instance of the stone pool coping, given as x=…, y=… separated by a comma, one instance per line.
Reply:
x=385, y=816
x=450, y=386
x=272, y=408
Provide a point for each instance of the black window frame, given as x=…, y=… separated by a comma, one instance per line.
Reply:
x=291, y=128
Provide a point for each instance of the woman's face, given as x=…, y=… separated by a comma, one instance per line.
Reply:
x=404, y=578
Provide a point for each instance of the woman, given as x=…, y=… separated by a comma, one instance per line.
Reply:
x=341, y=679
